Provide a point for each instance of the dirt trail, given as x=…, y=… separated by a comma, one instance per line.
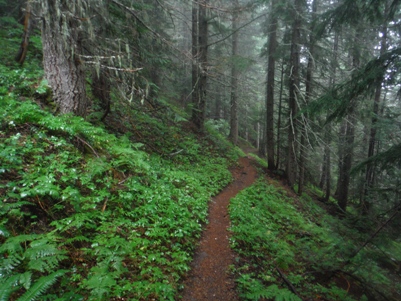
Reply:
x=209, y=278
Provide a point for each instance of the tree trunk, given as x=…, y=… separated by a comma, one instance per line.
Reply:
x=328, y=171
x=369, y=177
x=327, y=134
x=63, y=67
x=280, y=108
x=272, y=46
x=308, y=92
x=347, y=162
x=23, y=50
x=234, y=79
x=291, y=169
x=323, y=174
x=341, y=152
x=195, y=59
x=258, y=136
x=345, y=167
x=199, y=108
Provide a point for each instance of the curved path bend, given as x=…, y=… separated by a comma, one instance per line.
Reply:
x=210, y=278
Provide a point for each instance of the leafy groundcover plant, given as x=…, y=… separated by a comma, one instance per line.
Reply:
x=293, y=250
x=86, y=215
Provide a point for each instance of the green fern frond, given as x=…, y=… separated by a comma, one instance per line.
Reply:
x=43, y=264
x=26, y=280
x=10, y=263
x=7, y=286
x=41, y=251
x=6, y=207
x=4, y=232
x=79, y=238
x=41, y=286
x=76, y=221
x=13, y=244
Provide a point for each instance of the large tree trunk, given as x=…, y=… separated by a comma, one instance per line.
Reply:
x=370, y=175
x=291, y=169
x=326, y=172
x=346, y=163
x=234, y=79
x=63, y=67
x=199, y=108
x=271, y=68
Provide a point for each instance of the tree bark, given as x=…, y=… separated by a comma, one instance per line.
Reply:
x=233, y=136
x=341, y=152
x=370, y=175
x=291, y=169
x=195, y=59
x=346, y=163
x=199, y=108
x=308, y=92
x=63, y=67
x=327, y=134
x=271, y=68
x=280, y=108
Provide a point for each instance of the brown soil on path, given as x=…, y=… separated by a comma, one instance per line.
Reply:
x=209, y=278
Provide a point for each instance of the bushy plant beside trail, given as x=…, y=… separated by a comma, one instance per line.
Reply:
x=86, y=215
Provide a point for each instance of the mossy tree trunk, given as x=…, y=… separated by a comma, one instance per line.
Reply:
x=61, y=48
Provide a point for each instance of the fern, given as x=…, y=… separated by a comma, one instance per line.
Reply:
x=6, y=207
x=41, y=286
x=43, y=256
x=7, y=286
x=4, y=232
x=8, y=264
x=26, y=280
x=12, y=244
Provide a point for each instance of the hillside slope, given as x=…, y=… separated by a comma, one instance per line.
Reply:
x=87, y=214
x=113, y=210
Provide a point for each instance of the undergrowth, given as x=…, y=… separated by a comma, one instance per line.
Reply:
x=88, y=215
x=296, y=251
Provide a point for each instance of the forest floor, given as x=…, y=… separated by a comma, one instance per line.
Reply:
x=210, y=277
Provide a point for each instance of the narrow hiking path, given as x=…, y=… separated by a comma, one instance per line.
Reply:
x=209, y=278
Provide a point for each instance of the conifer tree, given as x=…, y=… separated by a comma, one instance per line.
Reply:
x=234, y=77
x=272, y=48
x=294, y=86
x=62, y=46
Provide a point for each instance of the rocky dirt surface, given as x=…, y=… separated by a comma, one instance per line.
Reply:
x=210, y=278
